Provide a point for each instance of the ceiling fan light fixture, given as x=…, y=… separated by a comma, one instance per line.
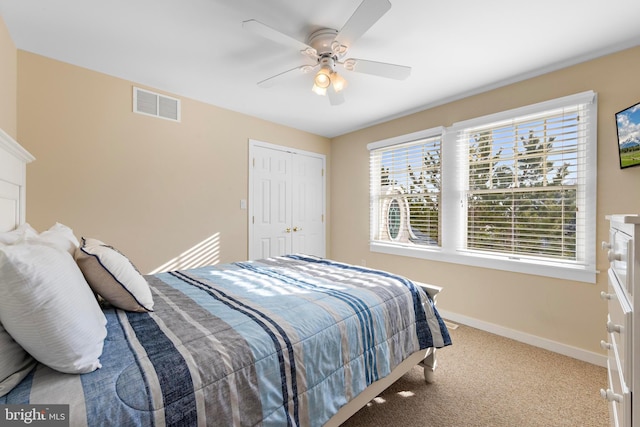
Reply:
x=323, y=78
x=337, y=81
x=322, y=91
x=328, y=46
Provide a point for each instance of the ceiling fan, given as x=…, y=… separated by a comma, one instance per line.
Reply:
x=328, y=47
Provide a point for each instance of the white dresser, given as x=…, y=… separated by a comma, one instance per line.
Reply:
x=623, y=325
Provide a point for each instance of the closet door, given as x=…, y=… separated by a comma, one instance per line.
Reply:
x=270, y=203
x=307, y=214
x=286, y=202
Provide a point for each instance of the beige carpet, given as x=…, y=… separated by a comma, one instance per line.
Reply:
x=488, y=381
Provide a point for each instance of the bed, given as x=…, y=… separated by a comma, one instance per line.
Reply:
x=291, y=340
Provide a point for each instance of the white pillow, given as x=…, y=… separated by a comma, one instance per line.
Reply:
x=112, y=276
x=15, y=363
x=21, y=232
x=48, y=308
x=58, y=235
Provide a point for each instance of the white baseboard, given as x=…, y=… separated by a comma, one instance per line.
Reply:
x=556, y=347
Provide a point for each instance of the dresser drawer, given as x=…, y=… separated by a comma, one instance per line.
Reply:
x=623, y=325
x=619, y=326
x=619, y=397
x=620, y=255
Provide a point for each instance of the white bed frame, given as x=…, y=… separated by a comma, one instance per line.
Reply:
x=13, y=165
x=13, y=179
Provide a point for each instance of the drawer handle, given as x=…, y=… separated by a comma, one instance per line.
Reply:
x=610, y=395
x=605, y=345
x=605, y=295
x=612, y=256
x=612, y=327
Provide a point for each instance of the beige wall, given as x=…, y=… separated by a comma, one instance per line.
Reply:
x=8, y=81
x=151, y=187
x=155, y=189
x=562, y=311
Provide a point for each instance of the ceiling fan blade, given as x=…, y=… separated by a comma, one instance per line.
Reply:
x=283, y=76
x=362, y=19
x=382, y=69
x=272, y=34
x=335, y=98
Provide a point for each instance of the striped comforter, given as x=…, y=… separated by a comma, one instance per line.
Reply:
x=281, y=341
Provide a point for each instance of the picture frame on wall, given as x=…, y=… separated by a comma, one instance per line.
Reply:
x=628, y=129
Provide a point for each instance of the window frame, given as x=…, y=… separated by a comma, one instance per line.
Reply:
x=375, y=213
x=453, y=209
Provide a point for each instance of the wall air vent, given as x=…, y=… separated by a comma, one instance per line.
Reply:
x=154, y=104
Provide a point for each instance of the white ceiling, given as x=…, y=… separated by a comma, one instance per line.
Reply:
x=198, y=48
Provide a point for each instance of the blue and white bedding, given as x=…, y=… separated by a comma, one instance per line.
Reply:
x=281, y=341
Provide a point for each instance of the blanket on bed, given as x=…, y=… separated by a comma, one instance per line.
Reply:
x=282, y=341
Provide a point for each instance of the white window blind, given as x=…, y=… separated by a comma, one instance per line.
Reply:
x=527, y=191
x=513, y=191
x=405, y=190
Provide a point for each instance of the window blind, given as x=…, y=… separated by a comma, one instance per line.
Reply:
x=405, y=192
x=525, y=189
x=513, y=190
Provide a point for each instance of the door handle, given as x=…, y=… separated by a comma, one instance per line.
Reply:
x=288, y=230
x=297, y=228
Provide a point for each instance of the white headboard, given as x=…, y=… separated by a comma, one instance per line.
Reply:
x=13, y=178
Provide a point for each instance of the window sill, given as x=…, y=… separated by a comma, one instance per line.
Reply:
x=524, y=266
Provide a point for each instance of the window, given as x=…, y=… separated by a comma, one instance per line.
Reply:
x=517, y=191
x=522, y=187
x=405, y=190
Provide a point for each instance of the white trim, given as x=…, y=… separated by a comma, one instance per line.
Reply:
x=410, y=137
x=256, y=143
x=536, y=341
x=577, y=273
x=591, y=181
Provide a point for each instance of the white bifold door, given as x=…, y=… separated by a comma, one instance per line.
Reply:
x=286, y=201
